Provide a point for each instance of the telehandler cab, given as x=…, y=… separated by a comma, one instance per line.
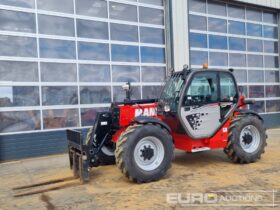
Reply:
x=197, y=110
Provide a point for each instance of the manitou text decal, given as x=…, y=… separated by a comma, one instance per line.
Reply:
x=145, y=112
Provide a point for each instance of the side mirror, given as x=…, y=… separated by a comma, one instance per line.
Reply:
x=185, y=71
x=248, y=101
x=170, y=71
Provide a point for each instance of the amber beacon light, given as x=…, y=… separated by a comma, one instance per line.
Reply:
x=205, y=66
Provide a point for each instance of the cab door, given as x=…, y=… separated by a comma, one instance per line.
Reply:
x=228, y=94
x=199, y=110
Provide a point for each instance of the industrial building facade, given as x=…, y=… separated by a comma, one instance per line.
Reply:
x=63, y=61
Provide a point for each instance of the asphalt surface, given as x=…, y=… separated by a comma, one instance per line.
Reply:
x=206, y=180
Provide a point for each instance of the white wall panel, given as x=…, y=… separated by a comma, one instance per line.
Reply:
x=180, y=34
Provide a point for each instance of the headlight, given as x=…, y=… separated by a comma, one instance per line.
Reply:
x=166, y=108
x=126, y=87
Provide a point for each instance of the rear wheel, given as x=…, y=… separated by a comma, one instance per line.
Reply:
x=144, y=152
x=247, y=139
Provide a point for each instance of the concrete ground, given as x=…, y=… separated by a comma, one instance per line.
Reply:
x=109, y=189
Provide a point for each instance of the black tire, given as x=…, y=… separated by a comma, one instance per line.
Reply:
x=106, y=156
x=126, y=160
x=234, y=150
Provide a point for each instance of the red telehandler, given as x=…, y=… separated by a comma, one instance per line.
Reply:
x=197, y=110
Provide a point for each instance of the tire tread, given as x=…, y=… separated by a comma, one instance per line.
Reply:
x=121, y=146
x=230, y=151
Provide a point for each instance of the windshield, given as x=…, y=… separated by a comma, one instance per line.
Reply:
x=171, y=91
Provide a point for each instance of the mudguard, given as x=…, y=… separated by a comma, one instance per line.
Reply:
x=247, y=111
x=146, y=120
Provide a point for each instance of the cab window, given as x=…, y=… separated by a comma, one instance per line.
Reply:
x=228, y=88
x=202, y=90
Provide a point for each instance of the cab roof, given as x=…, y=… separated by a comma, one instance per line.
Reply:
x=187, y=71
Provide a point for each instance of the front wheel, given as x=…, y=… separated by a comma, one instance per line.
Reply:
x=144, y=152
x=106, y=155
x=247, y=139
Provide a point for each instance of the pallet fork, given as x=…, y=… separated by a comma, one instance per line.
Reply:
x=79, y=154
x=79, y=163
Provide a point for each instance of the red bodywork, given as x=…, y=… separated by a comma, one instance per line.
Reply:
x=181, y=141
x=128, y=114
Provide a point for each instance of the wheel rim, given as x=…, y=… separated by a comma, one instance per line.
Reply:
x=107, y=150
x=149, y=153
x=250, y=138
